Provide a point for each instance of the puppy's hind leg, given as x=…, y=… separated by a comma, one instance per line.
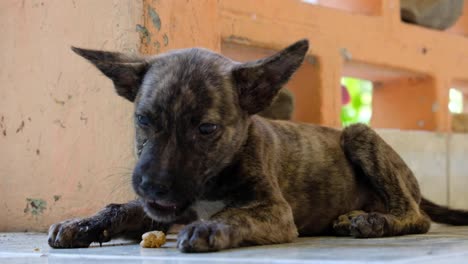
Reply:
x=391, y=180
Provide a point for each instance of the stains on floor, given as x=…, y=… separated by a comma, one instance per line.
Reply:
x=61, y=102
x=20, y=127
x=83, y=118
x=3, y=126
x=35, y=206
x=59, y=123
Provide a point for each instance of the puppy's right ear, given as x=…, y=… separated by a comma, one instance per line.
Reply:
x=258, y=82
x=125, y=71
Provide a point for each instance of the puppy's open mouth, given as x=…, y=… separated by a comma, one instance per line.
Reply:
x=162, y=206
x=164, y=211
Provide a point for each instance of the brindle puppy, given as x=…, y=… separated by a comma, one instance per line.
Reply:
x=205, y=155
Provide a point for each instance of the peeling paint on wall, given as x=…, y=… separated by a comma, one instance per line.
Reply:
x=153, y=38
x=345, y=54
x=239, y=40
x=154, y=18
x=144, y=34
x=165, y=39
x=157, y=45
x=311, y=59
x=35, y=206
x=59, y=123
x=57, y=197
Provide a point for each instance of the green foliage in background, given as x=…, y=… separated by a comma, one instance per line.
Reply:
x=456, y=101
x=359, y=109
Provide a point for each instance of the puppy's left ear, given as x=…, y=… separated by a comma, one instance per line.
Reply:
x=258, y=82
x=124, y=70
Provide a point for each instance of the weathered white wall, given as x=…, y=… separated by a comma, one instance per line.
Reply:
x=426, y=154
x=458, y=167
x=65, y=137
x=439, y=162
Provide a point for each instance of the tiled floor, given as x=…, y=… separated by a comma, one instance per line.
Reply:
x=441, y=245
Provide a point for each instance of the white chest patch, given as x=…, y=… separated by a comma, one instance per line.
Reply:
x=205, y=209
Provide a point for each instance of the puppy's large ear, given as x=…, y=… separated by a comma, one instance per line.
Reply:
x=125, y=71
x=258, y=82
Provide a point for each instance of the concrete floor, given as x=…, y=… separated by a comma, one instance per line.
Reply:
x=442, y=245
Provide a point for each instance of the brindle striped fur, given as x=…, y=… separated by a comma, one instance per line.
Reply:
x=276, y=179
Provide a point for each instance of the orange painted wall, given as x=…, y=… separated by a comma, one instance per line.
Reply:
x=408, y=103
x=66, y=138
x=364, y=7
x=177, y=24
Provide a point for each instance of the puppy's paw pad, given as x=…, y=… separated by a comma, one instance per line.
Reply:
x=204, y=237
x=76, y=233
x=368, y=225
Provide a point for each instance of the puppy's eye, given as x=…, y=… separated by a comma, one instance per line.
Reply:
x=143, y=121
x=207, y=128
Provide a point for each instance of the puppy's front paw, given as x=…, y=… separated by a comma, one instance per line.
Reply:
x=77, y=233
x=204, y=237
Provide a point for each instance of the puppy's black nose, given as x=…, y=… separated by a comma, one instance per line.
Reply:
x=153, y=190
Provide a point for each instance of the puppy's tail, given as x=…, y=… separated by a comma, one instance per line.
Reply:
x=443, y=214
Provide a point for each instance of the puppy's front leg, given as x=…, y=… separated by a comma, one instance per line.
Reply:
x=115, y=220
x=259, y=223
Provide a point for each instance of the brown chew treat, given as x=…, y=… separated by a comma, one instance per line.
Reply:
x=153, y=239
